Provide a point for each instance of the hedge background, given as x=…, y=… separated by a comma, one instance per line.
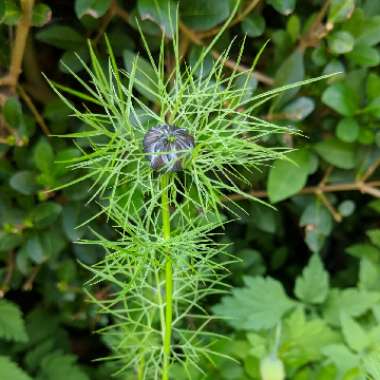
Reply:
x=326, y=204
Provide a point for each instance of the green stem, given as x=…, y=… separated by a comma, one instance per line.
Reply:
x=168, y=277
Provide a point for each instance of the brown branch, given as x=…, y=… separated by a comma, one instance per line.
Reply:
x=371, y=169
x=28, y=285
x=366, y=187
x=317, y=30
x=106, y=19
x=22, y=31
x=28, y=101
x=8, y=274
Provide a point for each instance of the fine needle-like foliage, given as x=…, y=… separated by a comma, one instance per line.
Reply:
x=167, y=258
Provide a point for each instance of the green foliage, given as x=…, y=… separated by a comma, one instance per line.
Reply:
x=329, y=321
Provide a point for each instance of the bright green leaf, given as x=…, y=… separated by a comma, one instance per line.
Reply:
x=313, y=286
x=43, y=155
x=340, y=10
x=12, y=325
x=287, y=178
x=347, y=130
x=259, y=305
x=355, y=336
x=341, y=98
x=10, y=370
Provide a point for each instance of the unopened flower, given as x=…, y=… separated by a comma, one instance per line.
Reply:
x=167, y=146
x=272, y=368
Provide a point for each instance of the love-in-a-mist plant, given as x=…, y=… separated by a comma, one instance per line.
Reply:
x=160, y=172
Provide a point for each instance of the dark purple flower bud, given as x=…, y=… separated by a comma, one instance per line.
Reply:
x=166, y=146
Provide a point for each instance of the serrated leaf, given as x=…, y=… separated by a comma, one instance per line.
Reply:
x=10, y=370
x=313, y=286
x=303, y=339
x=259, y=305
x=12, y=325
x=286, y=178
x=61, y=367
x=352, y=301
x=341, y=356
x=355, y=336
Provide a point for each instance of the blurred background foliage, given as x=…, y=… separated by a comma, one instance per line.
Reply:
x=312, y=265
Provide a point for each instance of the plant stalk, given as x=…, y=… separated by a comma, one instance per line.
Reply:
x=165, y=211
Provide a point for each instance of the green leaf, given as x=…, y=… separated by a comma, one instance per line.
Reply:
x=12, y=112
x=35, y=250
x=93, y=8
x=41, y=14
x=364, y=55
x=253, y=25
x=203, y=15
x=341, y=356
x=369, y=275
x=303, y=339
x=10, y=371
x=291, y=70
x=70, y=60
x=9, y=241
x=288, y=178
x=338, y=153
x=45, y=214
x=347, y=130
x=373, y=108
x=12, y=325
x=43, y=156
x=283, y=6
x=352, y=301
x=11, y=13
x=374, y=236
x=373, y=86
x=370, y=32
x=355, y=336
x=313, y=286
x=299, y=108
x=24, y=182
x=62, y=37
x=58, y=366
x=145, y=77
x=259, y=305
x=363, y=250
x=341, y=98
x=340, y=42
x=340, y=10
x=162, y=12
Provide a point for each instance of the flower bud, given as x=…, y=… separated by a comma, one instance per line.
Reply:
x=166, y=146
x=272, y=368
